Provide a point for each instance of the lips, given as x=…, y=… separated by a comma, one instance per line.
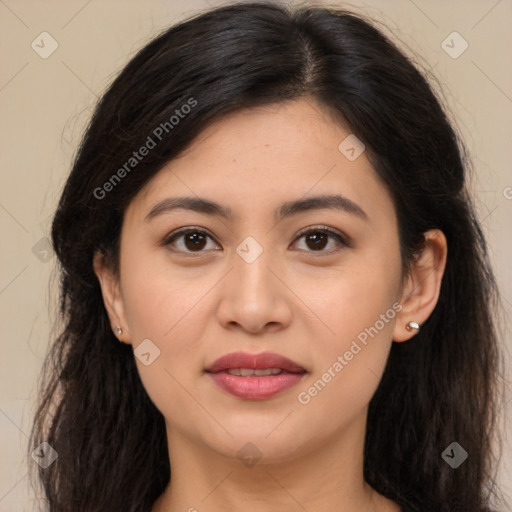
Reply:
x=255, y=376
x=261, y=361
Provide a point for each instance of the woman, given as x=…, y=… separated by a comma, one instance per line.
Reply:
x=275, y=291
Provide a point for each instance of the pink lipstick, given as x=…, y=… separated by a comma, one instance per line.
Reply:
x=255, y=376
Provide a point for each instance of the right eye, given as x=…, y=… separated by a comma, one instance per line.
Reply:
x=187, y=240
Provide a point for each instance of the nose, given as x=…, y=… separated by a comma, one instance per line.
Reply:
x=254, y=296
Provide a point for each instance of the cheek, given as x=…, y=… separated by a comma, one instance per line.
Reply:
x=354, y=296
x=359, y=307
x=165, y=307
x=349, y=370
x=159, y=299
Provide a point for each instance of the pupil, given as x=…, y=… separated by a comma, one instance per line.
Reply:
x=196, y=241
x=316, y=238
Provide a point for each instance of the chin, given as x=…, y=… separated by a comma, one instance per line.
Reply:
x=255, y=445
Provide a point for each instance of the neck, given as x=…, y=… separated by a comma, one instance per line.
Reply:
x=321, y=478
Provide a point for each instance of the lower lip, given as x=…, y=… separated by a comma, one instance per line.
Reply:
x=256, y=388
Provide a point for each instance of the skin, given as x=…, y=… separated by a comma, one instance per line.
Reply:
x=293, y=299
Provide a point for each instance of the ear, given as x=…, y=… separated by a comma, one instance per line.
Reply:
x=423, y=285
x=112, y=298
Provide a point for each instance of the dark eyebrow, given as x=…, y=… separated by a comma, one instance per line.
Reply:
x=195, y=204
x=287, y=209
x=332, y=202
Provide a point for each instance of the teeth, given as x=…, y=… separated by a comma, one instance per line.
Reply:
x=267, y=371
x=248, y=372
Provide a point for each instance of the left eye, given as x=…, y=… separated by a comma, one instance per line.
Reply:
x=317, y=238
x=194, y=240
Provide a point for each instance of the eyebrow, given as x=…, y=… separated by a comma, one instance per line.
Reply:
x=207, y=207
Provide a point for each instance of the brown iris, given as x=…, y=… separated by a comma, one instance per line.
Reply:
x=318, y=239
x=194, y=241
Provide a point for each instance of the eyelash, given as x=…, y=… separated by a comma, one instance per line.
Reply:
x=343, y=241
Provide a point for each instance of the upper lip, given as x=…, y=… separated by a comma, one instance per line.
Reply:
x=262, y=360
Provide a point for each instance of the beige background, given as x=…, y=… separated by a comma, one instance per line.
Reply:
x=45, y=103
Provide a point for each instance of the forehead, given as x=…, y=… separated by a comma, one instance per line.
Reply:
x=255, y=159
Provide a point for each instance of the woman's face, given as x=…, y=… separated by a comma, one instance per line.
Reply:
x=255, y=281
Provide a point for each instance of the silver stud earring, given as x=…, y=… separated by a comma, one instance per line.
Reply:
x=119, y=331
x=413, y=326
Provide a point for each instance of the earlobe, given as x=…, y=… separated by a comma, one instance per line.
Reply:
x=423, y=286
x=112, y=298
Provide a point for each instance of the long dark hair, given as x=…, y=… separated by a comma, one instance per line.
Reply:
x=438, y=388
